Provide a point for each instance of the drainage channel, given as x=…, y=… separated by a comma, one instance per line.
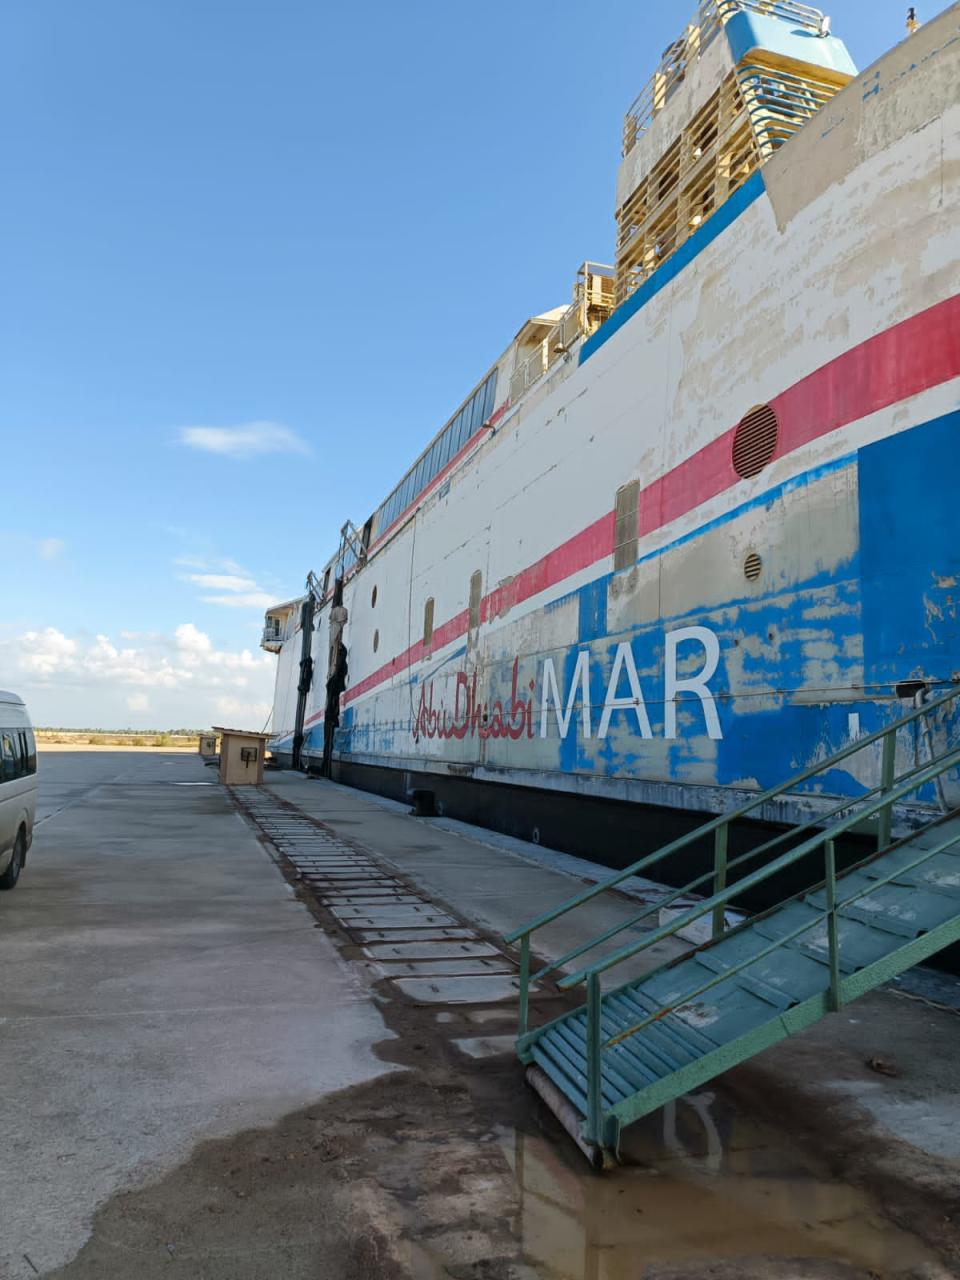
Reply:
x=428, y=954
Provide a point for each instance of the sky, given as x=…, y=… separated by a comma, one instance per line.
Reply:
x=253, y=254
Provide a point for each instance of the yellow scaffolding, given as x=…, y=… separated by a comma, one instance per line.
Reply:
x=755, y=109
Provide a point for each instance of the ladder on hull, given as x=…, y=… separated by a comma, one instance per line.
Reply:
x=631, y=1048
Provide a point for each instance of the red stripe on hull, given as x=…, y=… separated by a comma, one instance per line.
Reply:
x=913, y=356
x=917, y=354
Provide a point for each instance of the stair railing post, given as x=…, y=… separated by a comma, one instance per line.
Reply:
x=830, y=884
x=524, y=984
x=719, y=875
x=594, y=1102
x=888, y=774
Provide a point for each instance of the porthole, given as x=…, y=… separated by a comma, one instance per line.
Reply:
x=752, y=567
x=755, y=440
x=373, y=598
x=376, y=641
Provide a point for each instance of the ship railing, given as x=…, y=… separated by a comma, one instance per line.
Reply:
x=930, y=730
x=274, y=634
x=804, y=15
x=779, y=103
x=593, y=301
x=700, y=33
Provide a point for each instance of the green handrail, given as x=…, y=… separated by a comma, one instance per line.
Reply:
x=888, y=794
x=671, y=897
x=725, y=819
x=913, y=782
x=829, y=914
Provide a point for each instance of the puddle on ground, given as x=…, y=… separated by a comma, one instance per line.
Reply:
x=698, y=1182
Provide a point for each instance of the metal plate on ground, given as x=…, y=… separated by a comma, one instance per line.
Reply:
x=386, y=906
x=369, y=899
x=395, y=922
x=422, y=950
x=486, y=1046
x=489, y=989
x=394, y=916
x=465, y=966
x=428, y=950
x=413, y=935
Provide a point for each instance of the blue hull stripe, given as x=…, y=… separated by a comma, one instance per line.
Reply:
x=728, y=213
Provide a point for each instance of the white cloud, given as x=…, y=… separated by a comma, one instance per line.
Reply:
x=233, y=586
x=234, y=712
x=243, y=600
x=181, y=679
x=222, y=581
x=192, y=641
x=50, y=548
x=248, y=440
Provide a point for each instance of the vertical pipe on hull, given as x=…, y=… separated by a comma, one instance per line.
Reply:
x=336, y=676
x=306, y=675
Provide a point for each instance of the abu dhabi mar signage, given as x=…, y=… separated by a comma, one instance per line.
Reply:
x=533, y=710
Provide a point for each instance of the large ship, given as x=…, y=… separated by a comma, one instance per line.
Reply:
x=697, y=529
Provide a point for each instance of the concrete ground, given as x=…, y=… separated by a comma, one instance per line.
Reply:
x=501, y=883
x=208, y=1076
x=875, y=1084
x=159, y=984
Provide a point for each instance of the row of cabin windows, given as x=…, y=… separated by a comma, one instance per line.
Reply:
x=18, y=754
x=447, y=445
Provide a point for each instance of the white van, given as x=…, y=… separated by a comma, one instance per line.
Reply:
x=18, y=787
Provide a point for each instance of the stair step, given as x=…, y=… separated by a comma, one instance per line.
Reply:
x=567, y=1086
x=571, y=1040
x=933, y=836
x=859, y=944
x=744, y=1010
x=939, y=873
x=628, y=1064
x=779, y=984
x=643, y=1052
x=903, y=911
x=684, y=1039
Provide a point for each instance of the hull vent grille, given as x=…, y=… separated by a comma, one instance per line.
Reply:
x=755, y=441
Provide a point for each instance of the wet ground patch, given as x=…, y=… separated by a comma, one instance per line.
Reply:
x=451, y=1167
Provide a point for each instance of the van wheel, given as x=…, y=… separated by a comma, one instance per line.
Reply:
x=12, y=873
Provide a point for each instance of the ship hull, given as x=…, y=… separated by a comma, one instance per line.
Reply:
x=745, y=626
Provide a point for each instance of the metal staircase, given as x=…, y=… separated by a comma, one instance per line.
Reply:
x=635, y=1046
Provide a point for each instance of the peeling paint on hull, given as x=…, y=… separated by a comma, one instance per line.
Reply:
x=833, y=295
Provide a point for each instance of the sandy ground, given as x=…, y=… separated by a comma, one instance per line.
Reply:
x=211, y=1080
x=53, y=748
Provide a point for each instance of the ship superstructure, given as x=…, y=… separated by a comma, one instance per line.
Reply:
x=694, y=530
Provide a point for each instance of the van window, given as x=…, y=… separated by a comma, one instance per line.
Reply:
x=10, y=763
x=28, y=746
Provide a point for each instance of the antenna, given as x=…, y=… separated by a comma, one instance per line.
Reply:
x=913, y=22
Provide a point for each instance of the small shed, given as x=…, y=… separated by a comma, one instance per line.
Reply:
x=241, y=756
